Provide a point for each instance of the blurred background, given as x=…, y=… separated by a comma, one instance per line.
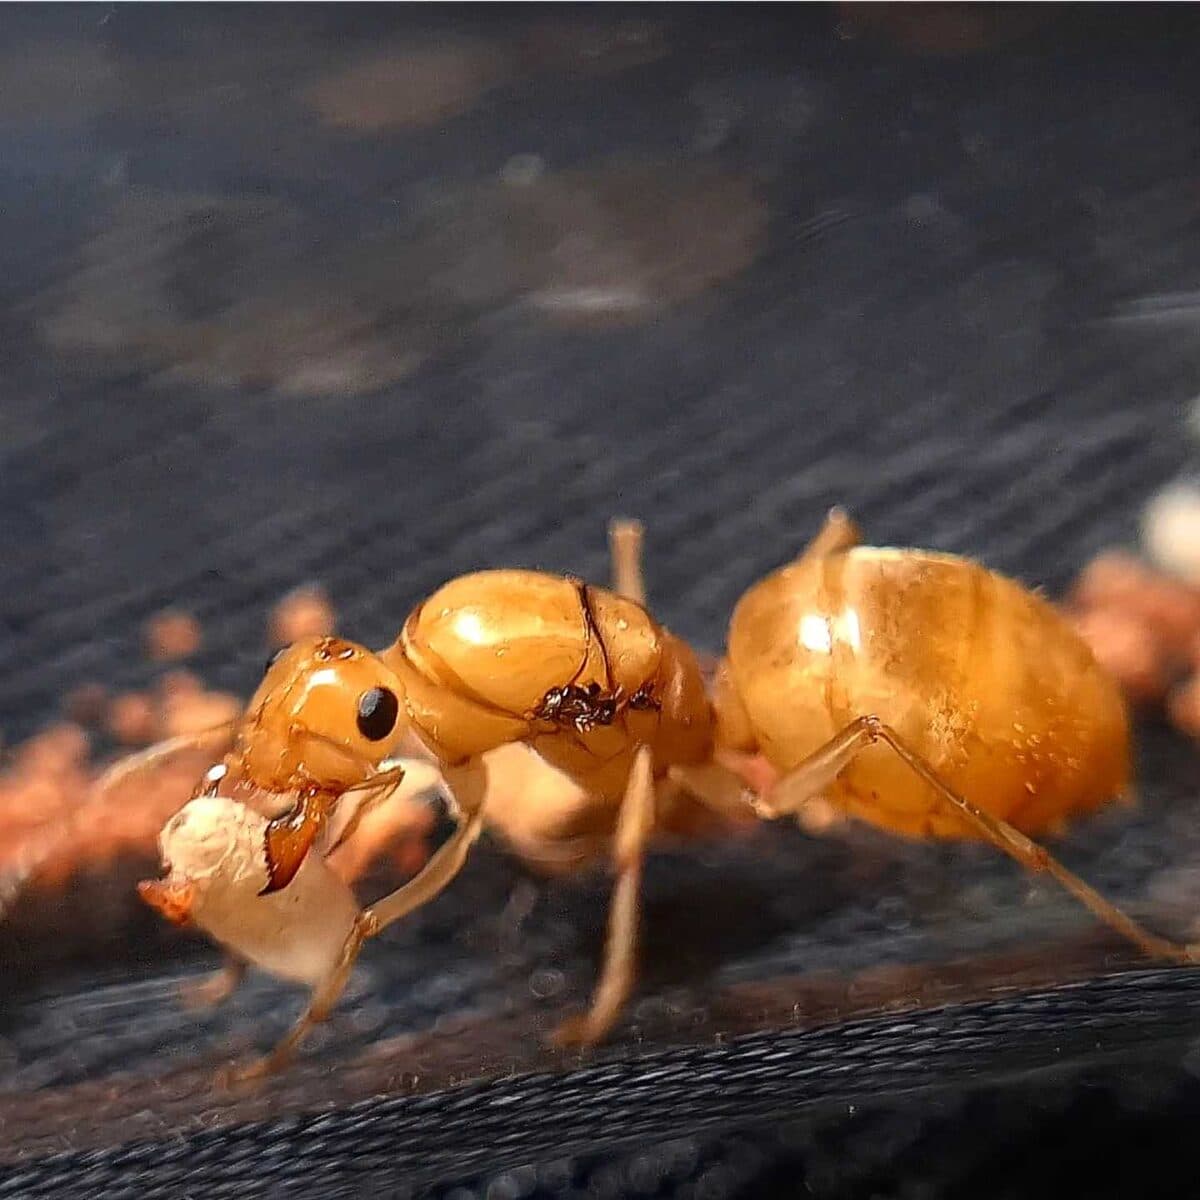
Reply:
x=367, y=297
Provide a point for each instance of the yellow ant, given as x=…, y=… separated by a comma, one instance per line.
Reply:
x=893, y=683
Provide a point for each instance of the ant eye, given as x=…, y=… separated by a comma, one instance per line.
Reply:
x=274, y=659
x=377, y=711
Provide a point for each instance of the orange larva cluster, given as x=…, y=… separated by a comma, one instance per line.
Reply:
x=172, y=635
x=1144, y=627
x=305, y=612
x=48, y=811
x=179, y=704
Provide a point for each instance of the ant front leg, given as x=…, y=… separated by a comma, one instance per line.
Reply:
x=436, y=875
x=323, y=1001
x=388, y=808
x=818, y=771
x=634, y=827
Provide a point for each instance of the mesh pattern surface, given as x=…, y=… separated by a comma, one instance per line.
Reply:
x=715, y=272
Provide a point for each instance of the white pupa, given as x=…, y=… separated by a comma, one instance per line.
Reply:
x=213, y=850
x=214, y=854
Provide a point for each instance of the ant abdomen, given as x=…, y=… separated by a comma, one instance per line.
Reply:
x=983, y=678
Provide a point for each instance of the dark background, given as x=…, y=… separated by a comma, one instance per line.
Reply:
x=372, y=297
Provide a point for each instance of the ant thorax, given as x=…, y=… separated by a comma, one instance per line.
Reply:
x=585, y=708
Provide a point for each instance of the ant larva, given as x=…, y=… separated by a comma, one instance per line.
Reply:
x=914, y=690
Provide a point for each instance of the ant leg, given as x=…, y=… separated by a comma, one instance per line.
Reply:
x=386, y=813
x=324, y=997
x=625, y=549
x=517, y=908
x=151, y=756
x=625, y=545
x=719, y=789
x=216, y=988
x=823, y=766
x=436, y=874
x=729, y=789
x=634, y=826
x=838, y=533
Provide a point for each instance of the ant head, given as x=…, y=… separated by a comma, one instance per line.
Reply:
x=326, y=713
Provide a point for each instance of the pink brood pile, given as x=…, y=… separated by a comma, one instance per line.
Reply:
x=1143, y=621
x=1144, y=626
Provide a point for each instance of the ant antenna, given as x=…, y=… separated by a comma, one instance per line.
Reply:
x=143, y=760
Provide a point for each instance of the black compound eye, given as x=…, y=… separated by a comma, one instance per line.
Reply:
x=275, y=657
x=377, y=712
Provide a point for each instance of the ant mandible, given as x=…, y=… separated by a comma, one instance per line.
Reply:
x=918, y=691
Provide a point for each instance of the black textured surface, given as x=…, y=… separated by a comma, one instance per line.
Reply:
x=701, y=1089
x=753, y=268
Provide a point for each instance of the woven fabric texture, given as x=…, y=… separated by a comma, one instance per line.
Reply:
x=376, y=298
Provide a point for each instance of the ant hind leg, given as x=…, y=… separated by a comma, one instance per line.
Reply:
x=817, y=772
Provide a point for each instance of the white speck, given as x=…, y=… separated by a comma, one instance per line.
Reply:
x=1171, y=530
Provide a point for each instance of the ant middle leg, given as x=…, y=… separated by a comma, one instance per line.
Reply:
x=619, y=972
x=818, y=771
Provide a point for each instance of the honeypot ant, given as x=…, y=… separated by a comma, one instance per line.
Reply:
x=894, y=683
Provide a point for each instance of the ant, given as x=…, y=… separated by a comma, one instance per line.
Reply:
x=918, y=691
